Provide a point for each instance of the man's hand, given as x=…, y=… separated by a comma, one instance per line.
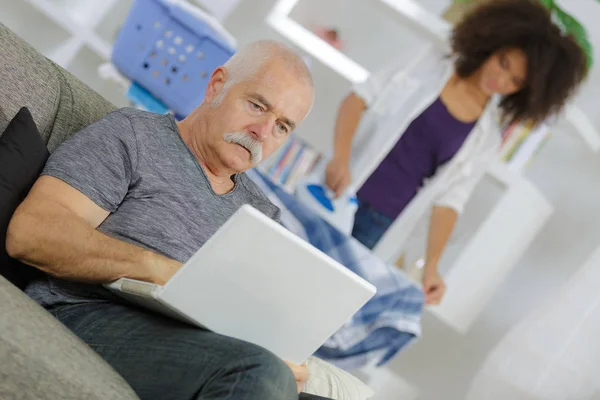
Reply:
x=162, y=269
x=337, y=175
x=300, y=373
x=433, y=286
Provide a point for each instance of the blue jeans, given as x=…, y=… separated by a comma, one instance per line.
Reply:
x=164, y=359
x=369, y=225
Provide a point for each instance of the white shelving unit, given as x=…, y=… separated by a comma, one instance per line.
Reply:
x=83, y=20
x=494, y=248
x=76, y=34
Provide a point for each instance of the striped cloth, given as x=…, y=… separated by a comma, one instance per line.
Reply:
x=389, y=321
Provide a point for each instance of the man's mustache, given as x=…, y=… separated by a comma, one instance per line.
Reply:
x=248, y=142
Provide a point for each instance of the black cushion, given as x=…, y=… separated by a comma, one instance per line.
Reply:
x=23, y=154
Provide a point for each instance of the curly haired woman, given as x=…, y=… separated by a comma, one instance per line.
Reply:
x=439, y=120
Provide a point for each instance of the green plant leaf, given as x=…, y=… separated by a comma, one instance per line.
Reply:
x=572, y=26
x=548, y=3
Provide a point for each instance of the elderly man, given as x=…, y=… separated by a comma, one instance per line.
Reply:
x=135, y=195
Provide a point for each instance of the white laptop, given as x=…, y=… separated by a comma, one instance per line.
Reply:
x=256, y=281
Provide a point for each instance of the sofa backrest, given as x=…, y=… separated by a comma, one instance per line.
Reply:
x=59, y=102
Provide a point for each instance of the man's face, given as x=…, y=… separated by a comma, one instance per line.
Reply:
x=251, y=119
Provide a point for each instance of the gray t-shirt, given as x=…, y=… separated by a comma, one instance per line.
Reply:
x=135, y=165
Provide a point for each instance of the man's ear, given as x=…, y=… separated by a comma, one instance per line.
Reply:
x=215, y=84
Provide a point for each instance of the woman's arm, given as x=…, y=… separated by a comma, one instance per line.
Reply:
x=441, y=226
x=349, y=116
x=337, y=176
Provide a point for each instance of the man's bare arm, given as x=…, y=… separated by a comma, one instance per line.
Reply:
x=54, y=230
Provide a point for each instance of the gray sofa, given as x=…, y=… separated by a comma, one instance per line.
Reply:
x=39, y=357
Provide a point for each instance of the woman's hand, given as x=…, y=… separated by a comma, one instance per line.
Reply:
x=300, y=373
x=433, y=286
x=337, y=175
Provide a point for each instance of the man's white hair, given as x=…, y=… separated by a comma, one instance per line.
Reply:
x=249, y=61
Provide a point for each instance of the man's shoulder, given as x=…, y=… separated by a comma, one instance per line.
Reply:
x=141, y=124
x=136, y=114
x=259, y=197
x=252, y=187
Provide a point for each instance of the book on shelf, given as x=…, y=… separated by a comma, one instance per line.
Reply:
x=521, y=142
x=292, y=162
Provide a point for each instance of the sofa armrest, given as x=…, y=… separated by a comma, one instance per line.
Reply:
x=42, y=359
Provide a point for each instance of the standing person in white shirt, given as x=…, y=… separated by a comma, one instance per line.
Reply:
x=417, y=137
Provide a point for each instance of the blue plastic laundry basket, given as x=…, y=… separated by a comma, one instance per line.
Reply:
x=170, y=51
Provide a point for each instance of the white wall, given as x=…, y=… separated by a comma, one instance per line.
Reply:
x=587, y=12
